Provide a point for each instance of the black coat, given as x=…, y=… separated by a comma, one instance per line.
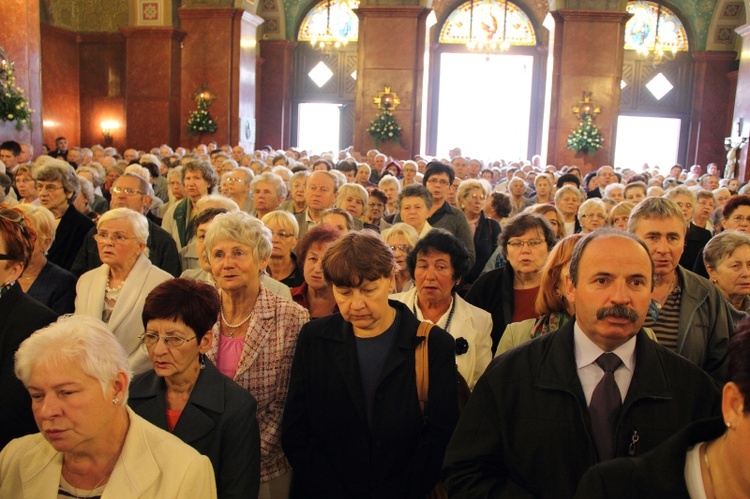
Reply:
x=526, y=429
x=219, y=421
x=493, y=293
x=485, y=243
x=695, y=240
x=657, y=474
x=20, y=315
x=162, y=252
x=69, y=237
x=325, y=431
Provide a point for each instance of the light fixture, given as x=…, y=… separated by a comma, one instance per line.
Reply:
x=659, y=52
x=328, y=42
x=586, y=107
x=486, y=42
x=107, y=127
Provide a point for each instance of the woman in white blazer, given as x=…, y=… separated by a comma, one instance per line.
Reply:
x=437, y=263
x=116, y=291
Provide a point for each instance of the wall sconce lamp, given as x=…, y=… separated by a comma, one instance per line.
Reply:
x=107, y=127
x=586, y=107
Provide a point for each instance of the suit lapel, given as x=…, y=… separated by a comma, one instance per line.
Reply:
x=40, y=471
x=131, y=292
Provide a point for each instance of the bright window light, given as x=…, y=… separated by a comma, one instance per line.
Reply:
x=643, y=140
x=318, y=127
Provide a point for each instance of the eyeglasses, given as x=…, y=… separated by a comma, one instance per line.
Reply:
x=600, y=216
x=533, y=243
x=282, y=233
x=103, y=237
x=477, y=197
x=48, y=187
x=401, y=247
x=234, y=180
x=438, y=181
x=150, y=340
x=127, y=192
x=685, y=205
x=738, y=219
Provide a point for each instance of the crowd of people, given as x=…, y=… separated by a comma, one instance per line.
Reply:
x=228, y=323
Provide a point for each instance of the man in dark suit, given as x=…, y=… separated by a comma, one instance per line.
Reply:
x=61, y=148
x=598, y=388
x=132, y=191
x=605, y=175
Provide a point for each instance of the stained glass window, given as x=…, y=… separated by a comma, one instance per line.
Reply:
x=343, y=23
x=488, y=23
x=642, y=33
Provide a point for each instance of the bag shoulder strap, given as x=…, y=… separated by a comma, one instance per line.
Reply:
x=421, y=364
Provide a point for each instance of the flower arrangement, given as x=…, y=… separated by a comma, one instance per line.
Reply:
x=13, y=103
x=200, y=121
x=384, y=128
x=586, y=138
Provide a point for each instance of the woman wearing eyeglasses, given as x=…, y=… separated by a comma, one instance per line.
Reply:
x=509, y=293
x=592, y=215
x=282, y=264
x=115, y=291
x=186, y=394
x=471, y=197
x=736, y=214
x=401, y=238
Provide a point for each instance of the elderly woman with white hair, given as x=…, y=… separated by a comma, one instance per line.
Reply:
x=116, y=291
x=727, y=259
x=592, y=215
x=41, y=279
x=353, y=198
x=256, y=333
x=282, y=264
x=391, y=187
x=401, y=238
x=58, y=186
x=91, y=444
x=268, y=191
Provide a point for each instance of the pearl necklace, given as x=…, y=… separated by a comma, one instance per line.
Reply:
x=111, y=291
x=234, y=326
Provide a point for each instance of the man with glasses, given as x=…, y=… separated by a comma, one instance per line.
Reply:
x=687, y=313
x=605, y=175
x=238, y=187
x=132, y=191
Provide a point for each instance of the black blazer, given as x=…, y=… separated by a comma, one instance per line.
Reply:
x=485, y=243
x=695, y=240
x=219, y=421
x=657, y=474
x=20, y=315
x=325, y=433
x=69, y=237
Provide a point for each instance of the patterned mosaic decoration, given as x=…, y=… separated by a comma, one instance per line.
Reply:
x=487, y=26
x=343, y=23
x=641, y=29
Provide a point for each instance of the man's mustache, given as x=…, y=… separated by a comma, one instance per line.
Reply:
x=618, y=312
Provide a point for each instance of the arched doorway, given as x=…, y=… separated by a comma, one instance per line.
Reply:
x=325, y=77
x=486, y=83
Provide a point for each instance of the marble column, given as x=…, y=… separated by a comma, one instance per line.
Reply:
x=153, y=86
x=390, y=52
x=577, y=69
x=742, y=99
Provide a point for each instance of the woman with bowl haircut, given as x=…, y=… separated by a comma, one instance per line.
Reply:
x=437, y=263
x=91, y=444
x=116, y=291
x=352, y=425
x=256, y=333
x=315, y=292
x=186, y=394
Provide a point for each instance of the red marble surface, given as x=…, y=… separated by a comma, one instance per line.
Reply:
x=102, y=87
x=60, y=85
x=20, y=37
x=153, y=86
x=711, y=96
x=577, y=68
x=275, y=106
x=390, y=52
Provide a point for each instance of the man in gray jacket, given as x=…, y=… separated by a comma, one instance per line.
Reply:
x=687, y=313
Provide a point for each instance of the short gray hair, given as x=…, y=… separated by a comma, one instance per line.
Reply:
x=611, y=187
x=591, y=205
x=401, y=229
x=55, y=169
x=389, y=180
x=723, y=245
x=414, y=191
x=273, y=179
x=81, y=339
x=216, y=200
x=243, y=228
x=653, y=207
x=568, y=189
x=465, y=187
x=87, y=190
x=137, y=222
x=681, y=190
x=355, y=190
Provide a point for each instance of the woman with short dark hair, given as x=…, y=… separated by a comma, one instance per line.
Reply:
x=352, y=425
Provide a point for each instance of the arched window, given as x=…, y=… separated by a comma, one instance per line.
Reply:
x=642, y=33
x=336, y=16
x=488, y=24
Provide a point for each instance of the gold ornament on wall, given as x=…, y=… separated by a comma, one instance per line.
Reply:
x=586, y=107
x=387, y=100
